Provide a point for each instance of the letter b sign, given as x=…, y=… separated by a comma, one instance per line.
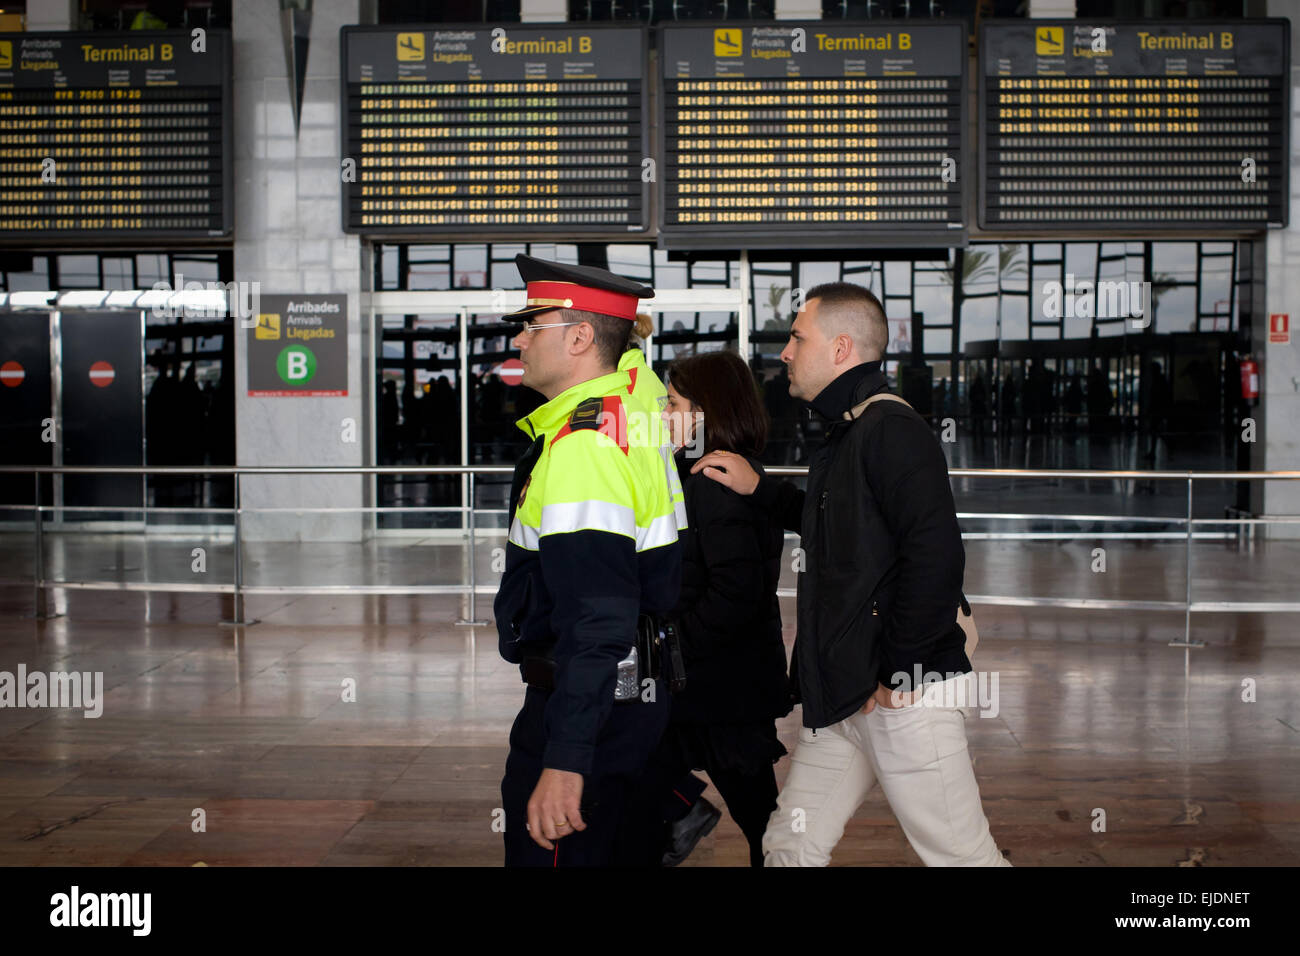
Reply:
x=296, y=365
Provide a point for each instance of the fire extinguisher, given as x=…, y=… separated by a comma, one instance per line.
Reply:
x=1249, y=379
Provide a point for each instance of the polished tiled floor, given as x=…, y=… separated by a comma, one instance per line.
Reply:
x=249, y=726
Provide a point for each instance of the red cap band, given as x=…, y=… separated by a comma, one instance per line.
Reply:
x=570, y=295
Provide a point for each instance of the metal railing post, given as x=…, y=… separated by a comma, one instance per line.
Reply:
x=473, y=619
x=41, y=608
x=1187, y=643
x=237, y=618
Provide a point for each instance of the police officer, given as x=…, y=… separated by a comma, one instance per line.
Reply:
x=595, y=510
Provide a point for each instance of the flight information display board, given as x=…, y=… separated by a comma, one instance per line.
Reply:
x=812, y=134
x=495, y=130
x=115, y=135
x=1133, y=126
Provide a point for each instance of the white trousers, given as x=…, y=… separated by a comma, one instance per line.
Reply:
x=917, y=753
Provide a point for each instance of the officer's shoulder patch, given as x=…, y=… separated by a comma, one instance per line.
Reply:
x=605, y=415
x=587, y=414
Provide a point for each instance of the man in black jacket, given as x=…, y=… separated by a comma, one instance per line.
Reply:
x=877, y=604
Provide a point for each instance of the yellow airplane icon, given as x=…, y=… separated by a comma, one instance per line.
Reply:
x=268, y=326
x=1049, y=41
x=726, y=42
x=410, y=46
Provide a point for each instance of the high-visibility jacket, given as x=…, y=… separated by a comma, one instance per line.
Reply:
x=596, y=505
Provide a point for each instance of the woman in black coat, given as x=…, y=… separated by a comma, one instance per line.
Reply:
x=728, y=618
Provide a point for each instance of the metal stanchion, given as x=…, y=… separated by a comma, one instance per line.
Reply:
x=1187, y=643
x=238, y=616
x=473, y=620
x=41, y=612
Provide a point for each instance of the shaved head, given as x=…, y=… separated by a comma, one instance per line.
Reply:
x=848, y=309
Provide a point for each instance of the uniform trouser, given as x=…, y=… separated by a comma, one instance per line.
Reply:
x=918, y=755
x=625, y=743
x=749, y=797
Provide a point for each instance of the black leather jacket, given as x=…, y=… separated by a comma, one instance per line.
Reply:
x=883, y=552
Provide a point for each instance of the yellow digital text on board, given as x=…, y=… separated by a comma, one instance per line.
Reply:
x=127, y=53
x=1186, y=41
x=888, y=41
x=525, y=47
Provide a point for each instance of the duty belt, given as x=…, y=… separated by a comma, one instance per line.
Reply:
x=642, y=662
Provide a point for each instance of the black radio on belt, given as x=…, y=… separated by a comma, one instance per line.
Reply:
x=644, y=661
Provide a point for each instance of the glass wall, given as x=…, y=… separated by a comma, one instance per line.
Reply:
x=1022, y=354
x=189, y=373
x=1155, y=324
x=1016, y=351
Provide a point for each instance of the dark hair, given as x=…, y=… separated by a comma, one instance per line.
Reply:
x=861, y=306
x=612, y=334
x=721, y=385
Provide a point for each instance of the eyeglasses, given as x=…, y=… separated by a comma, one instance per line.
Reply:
x=531, y=327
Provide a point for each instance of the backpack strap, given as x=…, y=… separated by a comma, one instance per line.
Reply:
x=857, y=410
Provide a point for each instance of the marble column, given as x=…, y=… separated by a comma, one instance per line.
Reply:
x=1280, y=364
x=289, y=239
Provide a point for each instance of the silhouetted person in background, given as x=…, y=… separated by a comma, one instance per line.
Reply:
x=162, y=415
x=1073, y=402
x=1032, y=399
x=410, y=430
x=776, y=399
x=1099, y=401
x=192, y=412
x=389, y=414
x=442, y=421
x=979, y=405
x=1155, y=412
x=1048, y=405
x=1007, y=409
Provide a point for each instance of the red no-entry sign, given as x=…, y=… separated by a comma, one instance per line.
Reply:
x=12, y=374
x=511, y=371
x=102, y=374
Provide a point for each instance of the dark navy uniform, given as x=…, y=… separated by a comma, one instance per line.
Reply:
x=596, y=505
